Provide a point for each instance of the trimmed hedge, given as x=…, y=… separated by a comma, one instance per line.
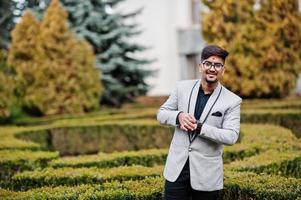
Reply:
x=252, y=166
x=272, y=104
x=253, y=144
x=150, y=188
x=272, y=162
x=75, y=176
x=134, y=112
x=105, y=115
x=286, y=118
x=58, y=193
x=106, y=137
x=10, y=141
x=274, y=145
x=50, y=136
x=250, y=147
x=238, y=186
x=279, y=151
x=148, y=157
x=12, y=161
x=250, y=186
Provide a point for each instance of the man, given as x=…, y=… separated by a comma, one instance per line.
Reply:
x=206, y=116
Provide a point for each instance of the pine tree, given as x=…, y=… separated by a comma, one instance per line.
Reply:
x=264, y=39
x=10, y=12
x=62, y=68
x=6, y=22
x=123, y=75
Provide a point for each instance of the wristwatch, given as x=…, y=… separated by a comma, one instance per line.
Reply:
x=199, y=126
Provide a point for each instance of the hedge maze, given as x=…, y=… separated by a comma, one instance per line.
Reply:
x=120, y=154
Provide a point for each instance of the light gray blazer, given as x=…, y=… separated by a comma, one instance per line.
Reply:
x=205, y=152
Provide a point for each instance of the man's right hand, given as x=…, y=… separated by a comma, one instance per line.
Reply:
x=187, y=122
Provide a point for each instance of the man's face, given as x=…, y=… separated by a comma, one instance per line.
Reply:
x=212, y=69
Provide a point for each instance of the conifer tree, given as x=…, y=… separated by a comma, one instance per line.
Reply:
x=264, y=38
x=6, y=88
x=10, y=13
x=22, y=53
x=64, y=78
x=123, y=75
x=6, y=22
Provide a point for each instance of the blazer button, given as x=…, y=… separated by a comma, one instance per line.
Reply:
x=189, y=149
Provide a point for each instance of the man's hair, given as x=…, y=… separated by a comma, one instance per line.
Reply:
x=214, y=50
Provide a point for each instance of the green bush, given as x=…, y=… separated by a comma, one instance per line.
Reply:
x=284, y=164
x=149, y=188
x=279, y=104
x=287, y=118
x=238, y=185
x=279, y=151
x=247, y=185
x=74, y=176
x=149, y=157
x=56, y=193
x=12, y=161
x=106, y=138
x=9, y=140
x=264, y=164
x=100, y=116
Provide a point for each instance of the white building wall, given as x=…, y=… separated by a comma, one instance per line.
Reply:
x=160, y=20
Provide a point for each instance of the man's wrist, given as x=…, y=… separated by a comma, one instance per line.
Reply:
x=177, y=119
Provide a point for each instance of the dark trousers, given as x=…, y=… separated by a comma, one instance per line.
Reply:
x=181, y=188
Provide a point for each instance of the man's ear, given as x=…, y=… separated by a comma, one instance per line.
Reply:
x=200, y=67
x=223, y=70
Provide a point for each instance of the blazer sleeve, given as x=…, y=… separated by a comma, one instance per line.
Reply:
x=168, y=112
x=229, y=132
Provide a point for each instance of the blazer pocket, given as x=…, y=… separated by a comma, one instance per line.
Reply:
x=217, y=114
x=215, y=121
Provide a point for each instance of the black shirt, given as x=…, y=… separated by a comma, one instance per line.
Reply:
x=200, y=103
x=199, y=108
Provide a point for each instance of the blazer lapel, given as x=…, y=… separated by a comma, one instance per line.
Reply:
x=212, y=99
x=193, y=98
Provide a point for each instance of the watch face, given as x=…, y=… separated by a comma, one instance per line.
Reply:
x=199, y=125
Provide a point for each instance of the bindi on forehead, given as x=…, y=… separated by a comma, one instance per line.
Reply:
x=215, y=59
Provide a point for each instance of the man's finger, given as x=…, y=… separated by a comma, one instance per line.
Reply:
x=189, y=126
x=183, y=128
x=192, y=119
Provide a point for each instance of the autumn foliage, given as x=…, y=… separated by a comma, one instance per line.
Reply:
x=55, y=71
x=6, y=88
x=264, y=39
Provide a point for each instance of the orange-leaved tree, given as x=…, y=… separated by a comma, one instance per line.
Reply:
x=264, y=39
x=63, y=77
x=6, y=88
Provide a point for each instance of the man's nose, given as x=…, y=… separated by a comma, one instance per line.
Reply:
x=212, y=68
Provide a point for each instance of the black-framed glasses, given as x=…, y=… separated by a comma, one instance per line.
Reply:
x=217, y=66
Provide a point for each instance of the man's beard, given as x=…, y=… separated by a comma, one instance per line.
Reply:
x=211, y=81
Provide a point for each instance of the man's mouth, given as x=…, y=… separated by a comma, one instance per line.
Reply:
x=211, y=75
